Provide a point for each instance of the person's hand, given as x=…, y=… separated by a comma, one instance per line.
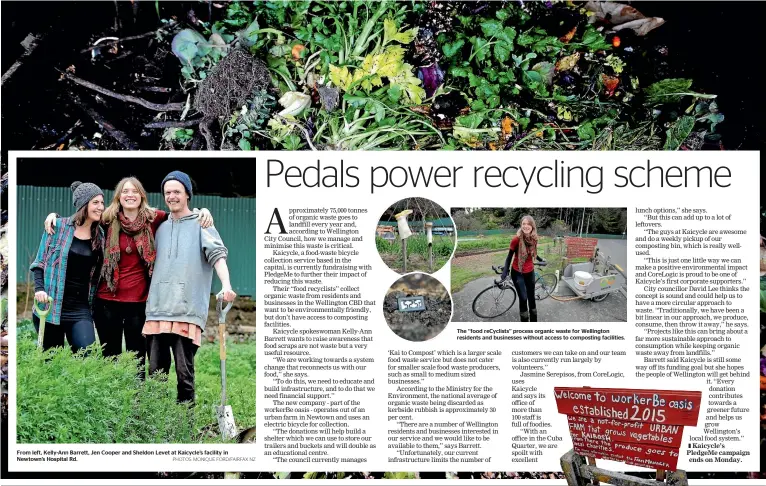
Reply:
x=152, y=214
x=205, y=218
x=228, y=294
x=50, y=223
x=41, y=297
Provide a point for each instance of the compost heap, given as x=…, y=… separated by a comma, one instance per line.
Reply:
x=458, y=75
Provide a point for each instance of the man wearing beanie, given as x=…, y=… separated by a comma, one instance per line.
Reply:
x=179, y=295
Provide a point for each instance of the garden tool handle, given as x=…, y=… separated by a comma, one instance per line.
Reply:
x=222, y=311
x=43, y=314
x=222, y=341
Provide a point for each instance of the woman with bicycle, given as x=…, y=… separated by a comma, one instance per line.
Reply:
x=524, y=248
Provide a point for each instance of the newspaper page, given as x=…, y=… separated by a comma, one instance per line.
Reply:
x=507, y=241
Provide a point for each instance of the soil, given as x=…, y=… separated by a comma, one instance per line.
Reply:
x=418, y=325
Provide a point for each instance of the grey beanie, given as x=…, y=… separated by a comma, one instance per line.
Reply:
x=83, y=192
x=181, y=177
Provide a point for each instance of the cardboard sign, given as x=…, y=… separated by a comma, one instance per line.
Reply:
x=638, y=427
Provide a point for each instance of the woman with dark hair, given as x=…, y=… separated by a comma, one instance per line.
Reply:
x=67, y=269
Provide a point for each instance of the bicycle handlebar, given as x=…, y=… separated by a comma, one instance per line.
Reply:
x=499, y=271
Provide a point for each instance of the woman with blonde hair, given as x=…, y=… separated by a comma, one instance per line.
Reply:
x=524, y=248
x=129, y=254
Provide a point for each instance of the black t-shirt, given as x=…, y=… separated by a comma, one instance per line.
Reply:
x=80, y=262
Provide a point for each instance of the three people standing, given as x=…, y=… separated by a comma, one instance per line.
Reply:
x=141, y=245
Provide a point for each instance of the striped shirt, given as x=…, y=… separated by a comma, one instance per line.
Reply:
x=52, y=259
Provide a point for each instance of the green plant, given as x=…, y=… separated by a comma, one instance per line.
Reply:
x=197, y=54
x=250, y=120
x=86, y=398
x=181, y=135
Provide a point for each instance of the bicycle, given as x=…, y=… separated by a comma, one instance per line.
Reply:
x=500, y=297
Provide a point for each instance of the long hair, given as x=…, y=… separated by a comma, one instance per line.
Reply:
x=532, y=234
x=115, y=207
x=79, y=218
x=531, y=220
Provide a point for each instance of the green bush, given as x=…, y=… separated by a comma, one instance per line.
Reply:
x=86, y=398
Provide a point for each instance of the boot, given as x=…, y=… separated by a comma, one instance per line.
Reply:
x=533, y=315
x=524, y=317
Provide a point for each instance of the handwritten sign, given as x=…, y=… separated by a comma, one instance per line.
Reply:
x=637, y=427
x=580, y=247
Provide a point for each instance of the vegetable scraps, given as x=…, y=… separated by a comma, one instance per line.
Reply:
x=526, y=75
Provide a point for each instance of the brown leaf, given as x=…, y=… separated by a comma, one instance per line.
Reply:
x=569, y=35
x=568, y=62
x=641, y=26
x=623, y=17
x=613, y=12
x=423, y=109
x=506, y=127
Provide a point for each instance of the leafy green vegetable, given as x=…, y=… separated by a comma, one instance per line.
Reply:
x=668, y=90
x=451, y=49
x=391, y=33
x=594, y=41
x=185, y=45
x=679, y=132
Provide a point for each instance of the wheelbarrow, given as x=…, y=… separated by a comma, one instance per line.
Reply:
x=225, y=416
x=43, y=315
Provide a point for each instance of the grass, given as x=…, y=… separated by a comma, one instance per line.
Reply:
x=491, y=242
x=417, y=252
x=86, y=398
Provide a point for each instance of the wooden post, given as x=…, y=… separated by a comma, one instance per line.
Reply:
x=592, y=462
x=429, y=238
x=660, y=475
x=570, y=465
x=404, y=254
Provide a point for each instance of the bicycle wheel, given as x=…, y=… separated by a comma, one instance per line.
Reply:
x=544, y=286
x=494, y=301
